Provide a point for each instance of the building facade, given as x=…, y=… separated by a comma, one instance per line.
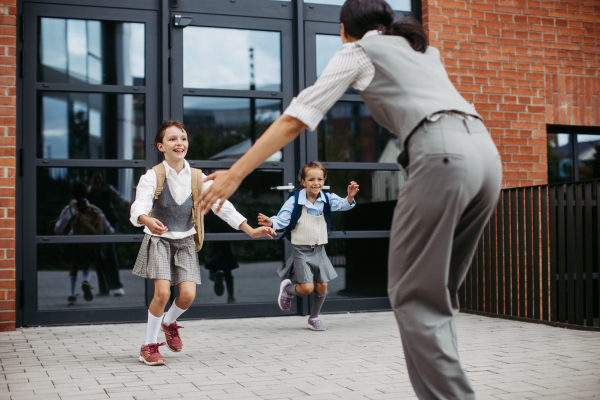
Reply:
x=87, y=83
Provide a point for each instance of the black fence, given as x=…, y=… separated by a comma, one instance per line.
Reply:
x=538, y=257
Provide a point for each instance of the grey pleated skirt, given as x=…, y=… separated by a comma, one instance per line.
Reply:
x=175, y=260
x=307, y=265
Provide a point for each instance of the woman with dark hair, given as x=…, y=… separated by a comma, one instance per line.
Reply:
x=451, y=165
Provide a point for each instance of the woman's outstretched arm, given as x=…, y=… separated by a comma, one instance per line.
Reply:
x=281, y=132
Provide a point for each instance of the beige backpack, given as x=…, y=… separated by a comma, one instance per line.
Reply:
x=161, y=174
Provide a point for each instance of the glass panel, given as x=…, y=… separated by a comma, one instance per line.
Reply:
x=254, y=281
x=255, y=195
x=235, y=59
x=223, y=128
x=93, y=52
x=349, y=133
x=110, y=265
x=560, y=159
x=327, y=45
x=90, y=126
x=588, y=147
x=375, y=201
x=111, y=190
x=349, y=258
x=401, y=5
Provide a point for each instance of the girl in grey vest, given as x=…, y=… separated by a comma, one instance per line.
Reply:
x=452, y=168
x=307, y=230
x=168, y=254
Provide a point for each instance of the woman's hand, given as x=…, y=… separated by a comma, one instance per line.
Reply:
x=262, y=231
x=264, y=220
x=352, y=190
x=225, y=183
x=155, y=226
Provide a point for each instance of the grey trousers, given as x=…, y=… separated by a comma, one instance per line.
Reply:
x=452, y=186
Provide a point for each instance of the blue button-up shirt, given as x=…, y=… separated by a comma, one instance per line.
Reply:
x=284, y=216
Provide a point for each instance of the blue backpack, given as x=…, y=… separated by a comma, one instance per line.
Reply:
x=297, y=213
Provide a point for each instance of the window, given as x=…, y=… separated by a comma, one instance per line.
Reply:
x=573, y=153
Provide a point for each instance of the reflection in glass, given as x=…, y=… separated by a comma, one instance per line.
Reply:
x=235, y=59
x=401, y=5
x=560, y=159
x=111, y=190
x=253, y=282
x=350, y=259
x=348, y=133
x=327, y=45
x=374, y=203
x=588, y=147
x=55, y=263
x=225, y=128
x=90, y=126
x=92, y=52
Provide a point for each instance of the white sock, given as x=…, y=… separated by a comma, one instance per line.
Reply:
x=172, y=315
x=73, y=283
x=153, y=328
x=86, y=275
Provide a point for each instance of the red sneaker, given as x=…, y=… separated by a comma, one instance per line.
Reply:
x=150, y=355
x=174, y=342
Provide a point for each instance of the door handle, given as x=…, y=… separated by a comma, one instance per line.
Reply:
x=290, y=187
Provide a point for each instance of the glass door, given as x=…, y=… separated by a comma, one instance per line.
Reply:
x=231, y=77
x=92, y=99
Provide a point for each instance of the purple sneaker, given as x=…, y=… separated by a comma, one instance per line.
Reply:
x=284, y=299
x=315, y=324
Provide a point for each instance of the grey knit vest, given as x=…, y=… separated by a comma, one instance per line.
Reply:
x=176, y=217
x=408, y=85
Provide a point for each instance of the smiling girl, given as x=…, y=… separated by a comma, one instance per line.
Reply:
x=307, y=217
x=164, y=204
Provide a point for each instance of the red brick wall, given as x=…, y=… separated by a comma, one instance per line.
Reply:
x=524, y=64
x=8, y=31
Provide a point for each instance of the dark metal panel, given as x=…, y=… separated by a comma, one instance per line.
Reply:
x=362, y=166
x=545, y=265
x=555, y=251
x=96, y=163
x=522, y=244
x=469, y=286
x=501, y=260
x=204, y=164
x=536, y=253
x=529, y=251
x=78, y=87
x=133, y=4
x=562, y=288
x=569, y=295
x=480, y=269
x=107, y=315
x=329, y=13
x=19, y=243
x=365, y=304
x=578, y=297
x=514, y=253
x=248, y=8
x=589, y=257
x=252, y=94
x=507, y=254
x=493, y=270
x=487, y=267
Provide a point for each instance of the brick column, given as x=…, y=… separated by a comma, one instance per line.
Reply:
x=8, y=32
x=524, y=64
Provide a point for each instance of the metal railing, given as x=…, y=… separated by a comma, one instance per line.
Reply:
x=538, y=257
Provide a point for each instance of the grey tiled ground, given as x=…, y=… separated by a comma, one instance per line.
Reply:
x=358, y=357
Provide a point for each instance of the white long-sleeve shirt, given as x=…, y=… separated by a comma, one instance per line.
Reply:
x=180, y=186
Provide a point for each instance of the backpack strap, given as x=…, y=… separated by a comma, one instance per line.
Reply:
x=196, y=211
x=296, y=214
x=161, y=174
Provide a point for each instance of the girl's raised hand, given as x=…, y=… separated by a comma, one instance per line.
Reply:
x=263, y=231
x=352, y=189
x=264, y=220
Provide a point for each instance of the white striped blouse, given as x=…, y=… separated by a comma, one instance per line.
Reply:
x=350, y=66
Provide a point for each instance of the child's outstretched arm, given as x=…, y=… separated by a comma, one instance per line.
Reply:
x=352, y=190
x=340, y=204
x=263, y=231
x=264, y=220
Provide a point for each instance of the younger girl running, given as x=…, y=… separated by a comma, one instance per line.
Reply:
x=307, y=218
x=174, y=232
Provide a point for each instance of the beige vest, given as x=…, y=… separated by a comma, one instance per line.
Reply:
x=310, y=230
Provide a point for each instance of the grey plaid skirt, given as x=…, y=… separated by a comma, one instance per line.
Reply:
x=308, y=264
x=175, y=260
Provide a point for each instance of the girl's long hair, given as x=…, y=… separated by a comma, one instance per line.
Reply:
x=361, y=16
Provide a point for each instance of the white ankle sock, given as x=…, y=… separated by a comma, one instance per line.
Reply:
x=86, y=275
x=172, y=315
x=72, y=283
x=153, y=328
